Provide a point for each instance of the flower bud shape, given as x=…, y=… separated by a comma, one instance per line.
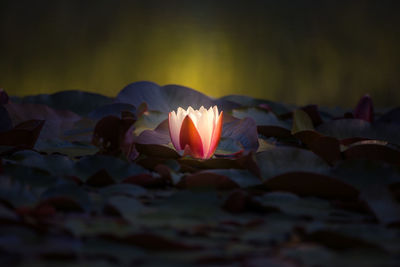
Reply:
x=197, y=132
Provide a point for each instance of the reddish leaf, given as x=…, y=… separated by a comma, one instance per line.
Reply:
x=100, y=179
x=146, y=180
x=114, y=135
x=311, y=184
x=327, y=148
x=249, y=162
x=308, y=137
x=65, y=204
x=74, y=179
x=40, y=211
x=373, y=151
x=245, y=162
x=236, y=202
x=207, y=180
x=164, y=171
x=157, y=151
x=239, y=201
x=150, y=162
x=338, y=241
x=349, y=141
x=274, y=131
x=364, y=109
x=24, y=134
x=152, y=242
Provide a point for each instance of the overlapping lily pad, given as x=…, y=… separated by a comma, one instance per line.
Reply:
x=86, y=179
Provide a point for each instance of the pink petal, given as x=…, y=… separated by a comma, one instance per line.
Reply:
x=216, y=135
x=191, y=137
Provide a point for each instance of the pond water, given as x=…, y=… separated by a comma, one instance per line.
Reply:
x=297, y=52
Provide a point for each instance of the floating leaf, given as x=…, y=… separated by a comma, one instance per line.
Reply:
x=280, y=160
x=311, y=184
x=163, y=99
x=56, y=121
x=76, y=101
x=301, y=121
x=204, y=180
x=23, y=135
x=5, y=120
x=364, y=109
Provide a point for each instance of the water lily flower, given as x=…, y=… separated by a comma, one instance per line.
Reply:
x=197, y=132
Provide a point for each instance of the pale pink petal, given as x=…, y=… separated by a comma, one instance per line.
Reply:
x=215, y=136
x=205, y=128
x=174, y=129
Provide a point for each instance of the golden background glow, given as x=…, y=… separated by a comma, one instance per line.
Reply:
x=308, y=52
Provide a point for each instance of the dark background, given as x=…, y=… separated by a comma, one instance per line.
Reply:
x=325, y=52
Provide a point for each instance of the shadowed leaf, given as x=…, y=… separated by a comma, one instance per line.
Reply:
x=311, y=184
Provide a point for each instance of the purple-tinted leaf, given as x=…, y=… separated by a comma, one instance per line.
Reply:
x=118, y=169
x=78, y=102
x=355, y=128
x=261, y=117
x=280, y=160
x=391, y=117
x=244, y=131
x=372, y=180
x=162, y=98
x=158, y=136
x=56, y=121
x=5, y=120
x=114, y=109
x=227, y=147
x=247, y=101
x=3, y=97
x=364, y=109
x=114, y=135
